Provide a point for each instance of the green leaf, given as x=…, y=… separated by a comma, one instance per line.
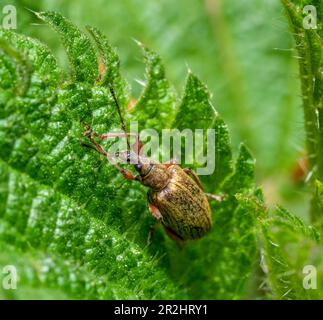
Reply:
x=282, y=258
x=319, y=198
x=74, y=228
x=110, y=64
x=243, y=176
x=13, y=77
x=281, y=276
x=55, y=196
x=196, y=104
x=55, y=224
x=77, y=45
x=156, y=105
x=40, y=277
x=287, y=220
x=319, y=192
x=236, y=259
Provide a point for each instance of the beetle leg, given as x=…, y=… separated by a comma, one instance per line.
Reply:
x=215, y=197
x=152, y=230
x=170, y=233
x=155, y=212
x=126, y=173
x=194, y=176
x=174, y=236
x=137, y=146
x=158, y=216
x=170, y=163
x=110, y=135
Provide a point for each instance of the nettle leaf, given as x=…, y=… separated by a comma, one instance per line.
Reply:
x=78, y=246
x=287, y=220
x=319, y=192
x=78, y=46
x=196, y=104
x=12, y=77
x=285, y=243
x=55, y=196
x=75, y=228
x=156, y=105
x=109, y=63
x=243, y=176
x=32, y=269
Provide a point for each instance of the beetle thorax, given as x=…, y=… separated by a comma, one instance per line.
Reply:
x=157, y=177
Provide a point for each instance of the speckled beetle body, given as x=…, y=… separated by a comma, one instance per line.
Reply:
x=183, y=206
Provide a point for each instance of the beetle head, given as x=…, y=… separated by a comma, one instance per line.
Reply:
x=143, y=167
x=153, y=174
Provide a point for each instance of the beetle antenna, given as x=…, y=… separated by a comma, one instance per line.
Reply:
x=123, y=126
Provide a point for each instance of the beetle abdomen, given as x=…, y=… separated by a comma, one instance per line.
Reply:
x=183, y=205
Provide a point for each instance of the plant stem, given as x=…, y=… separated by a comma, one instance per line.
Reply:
x=309, y=48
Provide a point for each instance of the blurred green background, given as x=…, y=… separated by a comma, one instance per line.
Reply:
x=241, y=49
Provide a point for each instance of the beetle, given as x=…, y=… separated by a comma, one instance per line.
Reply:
x=175, y=195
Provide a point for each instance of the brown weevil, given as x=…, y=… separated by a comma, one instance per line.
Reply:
x=175, y=197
